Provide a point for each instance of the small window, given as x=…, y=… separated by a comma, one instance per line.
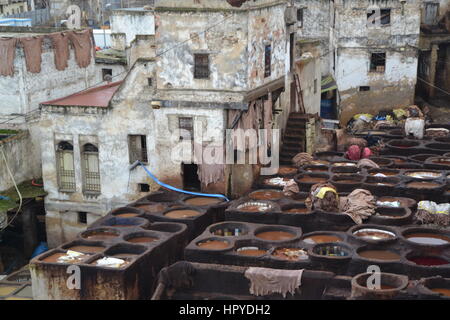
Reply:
x=315, y=85
x=378, y=62
x=144, y=187
x=150, y=82
x=267, y=61
x=65, y=167
x=186, y=127
x=364, y=88
x=91, y=170
x=106, y=74
x=383, y=19
x=82, y=217
x=201, y=66
x=137, y=145
x=300, y=17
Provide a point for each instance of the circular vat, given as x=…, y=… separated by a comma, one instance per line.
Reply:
x=124, y=251
x=403, y=144
x=112, y=262
x=297, y=208
x=392, y=213
x=331, y=251
x=251, y=251
x=150, y=207
x=397, y=159
x=126, y=212
x=439, y=286
x=306, y=180
x=347, y=182
x=229, y=229
x=441, y=161
x=423, y=174
x=60, y=256
x=255, y=206
x=266, y=194
x=142, y=237
x=182, y=213
x=382, y=182
x=100, y=234
x=88, y=247
x=162, y=196
x=438, y=146
x=373, y=233
x=389, y=284
x=277, y=233
x=277, y=181
x=443, y=139
x=383, y=172
x=214, y=244
x=426, y=237
x=322, y=237
x=290, y=254
x=202, y=201
x=427, y=258
x=378, y=254
x=287, y=171
x=315, y=168
x=382, y=162
x=344, y=168
x=424, y=185
x=118, y=222
x=421, y=157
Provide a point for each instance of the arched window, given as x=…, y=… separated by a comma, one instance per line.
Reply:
x=65, y=166
x=91, y=171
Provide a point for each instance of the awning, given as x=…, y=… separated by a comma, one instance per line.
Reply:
x=328, y=83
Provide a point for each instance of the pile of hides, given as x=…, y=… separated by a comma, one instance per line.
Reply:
x=359, y=205
x=291, y=188
x=265, y=281
x=301, y=159
x=356, y=153
x=367, y=163
x=82, y=41
x=324, y=197
x=344, y=140
x=429, y=212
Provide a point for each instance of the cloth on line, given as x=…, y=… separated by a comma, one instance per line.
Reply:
x=359, y=205
x=7, y=54
x=265, y=281
x=60, y=42
x=82, y=42
x=32, y=47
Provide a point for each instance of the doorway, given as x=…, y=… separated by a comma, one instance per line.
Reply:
x=191, y=181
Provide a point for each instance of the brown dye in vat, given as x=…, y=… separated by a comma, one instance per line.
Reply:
x=321, y=238
x=266, y=195
x=386, y=173
x=124, y=255
x=373, y=234
x=101, y=236
x=5, y=290
x=444, y=291
x=251, y=252
x=180, y=214
x=202, y=201
x=380, y=255
x=213, y=245
x=142, y=239
x=275, y=235
x=86, y=249
x=428, y=238
x=442, y=161
x=297, y=210
x=54, y=258
x=317, y=169
x=422, y=185
x=253, y=208
x=287, y=170
x=347, y=181
x=152, y=208
x=382, y=184
x=308, y=179
x=127, y=215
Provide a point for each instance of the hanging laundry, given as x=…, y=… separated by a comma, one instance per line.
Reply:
x=211, y=173
x=32, y=47
x=265, y=281
x=82, y=42
x=60, y=42
x=7, y=54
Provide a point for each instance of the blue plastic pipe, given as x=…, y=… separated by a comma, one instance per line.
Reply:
x=162, y=184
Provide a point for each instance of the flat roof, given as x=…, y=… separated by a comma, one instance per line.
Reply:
x=95, y=97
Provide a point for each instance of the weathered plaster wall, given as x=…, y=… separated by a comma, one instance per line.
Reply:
x=132, y=22
x=20, y=156
x=24, y=91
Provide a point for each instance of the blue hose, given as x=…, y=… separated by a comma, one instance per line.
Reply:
x=179, y=190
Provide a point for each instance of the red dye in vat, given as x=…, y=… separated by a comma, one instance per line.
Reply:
x=428, y=261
